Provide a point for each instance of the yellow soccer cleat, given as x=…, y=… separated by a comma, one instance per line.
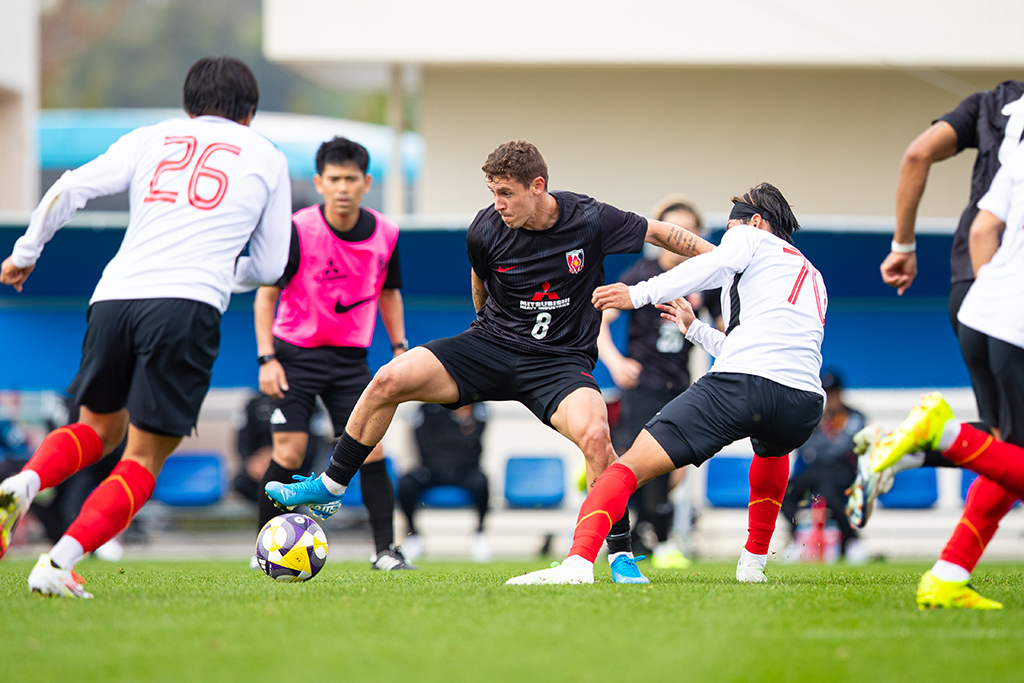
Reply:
x=667, y=556
x=933, y=592
x=920, y=431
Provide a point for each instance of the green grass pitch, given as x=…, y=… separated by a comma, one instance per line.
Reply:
x=218, y=621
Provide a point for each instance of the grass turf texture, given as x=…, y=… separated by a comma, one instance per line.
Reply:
x=217, y=621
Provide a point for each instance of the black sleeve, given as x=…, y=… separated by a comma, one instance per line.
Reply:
x=713, y=302
x=622, y=232
x=964, y=120
x=393, y=280
x=294, y=257
x=476, y=248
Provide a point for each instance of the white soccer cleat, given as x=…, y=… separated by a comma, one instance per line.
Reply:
x=47, y=579
x=413, y=547
x=14, y=503
x=749, y=569
x=480, y=548
x=574, y=570
x=869, y=484
x=111, y=551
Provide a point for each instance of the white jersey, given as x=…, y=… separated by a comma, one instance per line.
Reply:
x=199, y=190
x=773, y=300
x=994, y=305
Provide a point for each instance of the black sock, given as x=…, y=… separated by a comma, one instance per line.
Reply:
x=936, y=459
x=618, y=537
x=379, y=499
x=267, y=510
x=349, y=456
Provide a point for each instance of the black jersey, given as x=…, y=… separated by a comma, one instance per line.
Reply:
x=980, y=123
x=539, y=282
x=656, y=343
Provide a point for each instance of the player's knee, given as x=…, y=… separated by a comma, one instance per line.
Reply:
x=596, y=443
x=288, y=458
x=387, y=385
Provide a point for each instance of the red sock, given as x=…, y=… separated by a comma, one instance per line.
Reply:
x=110, y=508
x=63, y=452
x=987, y=503
x=768, y=480
x=604, y=506
x=997, y=461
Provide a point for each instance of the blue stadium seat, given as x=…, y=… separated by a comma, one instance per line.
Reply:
x=354, y=492
x=913, y=490
x=191, y=480
x=535, y=482
x=728, y=482
x=447, y=497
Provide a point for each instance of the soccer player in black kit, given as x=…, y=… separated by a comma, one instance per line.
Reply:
x=991, y=121
x=536, y=258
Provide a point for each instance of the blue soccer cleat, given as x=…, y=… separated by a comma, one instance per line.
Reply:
x=308, y=491
x=624, y=570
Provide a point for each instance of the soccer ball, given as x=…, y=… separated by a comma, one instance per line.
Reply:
x=291, y=548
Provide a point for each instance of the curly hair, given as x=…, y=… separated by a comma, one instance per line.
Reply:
x=516, y=159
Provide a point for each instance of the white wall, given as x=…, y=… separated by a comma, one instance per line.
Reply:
x=870, y=33
x=19, y=102
x=830, y=139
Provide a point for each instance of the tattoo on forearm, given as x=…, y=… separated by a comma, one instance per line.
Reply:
x=479, y=296
x=684, y=241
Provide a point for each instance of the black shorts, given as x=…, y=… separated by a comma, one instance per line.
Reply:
x=997, y=374
x=722, y=407
x=152, y=356
x=957, y=294
x=638, y=406
x=337, y=374
x=490, y=370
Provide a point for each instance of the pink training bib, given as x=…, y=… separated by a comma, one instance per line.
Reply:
x=332, y=299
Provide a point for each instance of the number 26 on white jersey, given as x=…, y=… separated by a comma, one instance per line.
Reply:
x=202, y=170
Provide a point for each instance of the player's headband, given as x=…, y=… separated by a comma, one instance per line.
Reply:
x=743, y=211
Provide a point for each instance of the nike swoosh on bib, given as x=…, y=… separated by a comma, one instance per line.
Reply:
x=338, y=308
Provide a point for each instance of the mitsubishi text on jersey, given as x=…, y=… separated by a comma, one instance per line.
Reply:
x=539, y=282
x=773, y=303
x=200, y=189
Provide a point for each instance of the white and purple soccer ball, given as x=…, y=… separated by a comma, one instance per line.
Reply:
x=291, y=547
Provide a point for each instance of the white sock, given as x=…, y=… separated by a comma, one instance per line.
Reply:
x=31, y=479
x=950, y=431
x=577, y=562
x=614, y=556
x=947, y=571
x=67, y=552
x=909, y=461
x=747, y=557
x=334, y=487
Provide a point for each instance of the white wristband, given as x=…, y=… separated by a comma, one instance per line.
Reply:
x=904, y=248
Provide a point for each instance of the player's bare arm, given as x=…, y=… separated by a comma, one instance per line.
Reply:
x=986, y=233
x=14, y=276
x=625, y=371
x=273, y=382
x=479, y=291
x=392, y=312
x=935, y=144
x=676, y=239
x=612, y=296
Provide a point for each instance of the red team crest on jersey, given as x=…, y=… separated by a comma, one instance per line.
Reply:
x=575, y=260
